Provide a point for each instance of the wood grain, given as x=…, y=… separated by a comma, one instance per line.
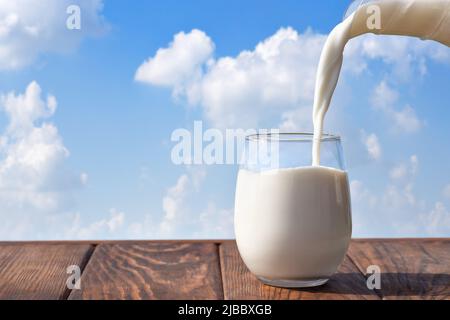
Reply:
x=37, y=271
x=240, y=284
x=411, y=269
x=152, y=271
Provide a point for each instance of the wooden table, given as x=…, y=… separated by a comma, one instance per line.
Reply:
x=411, y=269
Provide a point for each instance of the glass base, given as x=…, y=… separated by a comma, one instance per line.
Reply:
x=294, y=283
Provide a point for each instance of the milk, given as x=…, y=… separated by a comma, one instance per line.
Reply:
x=293, y=224
x=425, y=19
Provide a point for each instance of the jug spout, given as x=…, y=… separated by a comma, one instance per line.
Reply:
x=424, y=19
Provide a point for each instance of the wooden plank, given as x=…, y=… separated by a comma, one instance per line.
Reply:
x=411, y=269
x=152, y=271
x=240, y=284
x=36, y=271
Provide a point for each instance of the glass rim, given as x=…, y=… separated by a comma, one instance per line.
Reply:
x=291, y=137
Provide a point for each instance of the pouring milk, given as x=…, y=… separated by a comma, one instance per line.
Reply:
x=425, y=19
x=293, y=224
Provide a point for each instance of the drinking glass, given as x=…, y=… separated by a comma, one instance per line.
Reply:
x=292, y=220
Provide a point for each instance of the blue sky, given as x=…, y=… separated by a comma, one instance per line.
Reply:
x=116, y=179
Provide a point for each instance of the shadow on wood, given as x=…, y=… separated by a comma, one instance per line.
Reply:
x=415, y=285
x=411, y=268
x=418, y=285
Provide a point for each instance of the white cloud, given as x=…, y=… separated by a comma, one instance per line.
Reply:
x=29, y=28
x=278, y=75
x=399, y=172
x=385, y=99
x=437, y=221
x=397, y=209
x=406, y=120
x=273, y=83
x=84, y=177
x=34, y=183
x=104, y=228
x=177, y=214
x=180, y=216
x=405, y=170
x=446, y=191
x=360, y=193
x=298, y=120
x=384, y=96
x=396, y=199
x=406, y=55
x=32, y=152
x=363, y=202
x=25, y=110
x=173, y=204
x=36, y=190
x=216, y=221
x=181, y=62
x=372, y=145
x=146, y=228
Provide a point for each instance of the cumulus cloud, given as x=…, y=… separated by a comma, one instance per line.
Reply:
x=297, y=120
x=37, y=189
x=104, y=228
x=175, y=210
x=34, y=182
x=276, y=76
x=84, y=178
x=180, y=218
x=32, y=153
x=384, y=96
x=446, y=191
x=372, y=144
x=376, y=212
x=181, y=62
x=397, y=209
x=273, y=84
x=407, y=120
x=406, y=55
x=173, y=205
x=215, y=221
x=385, y=99
x=437, y=221
x=30, y=28
x=405, y=170
x=177, y=219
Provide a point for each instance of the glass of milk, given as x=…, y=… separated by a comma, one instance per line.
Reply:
x=292, y=220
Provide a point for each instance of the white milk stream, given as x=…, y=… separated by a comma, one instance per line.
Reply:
x=425, y=19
